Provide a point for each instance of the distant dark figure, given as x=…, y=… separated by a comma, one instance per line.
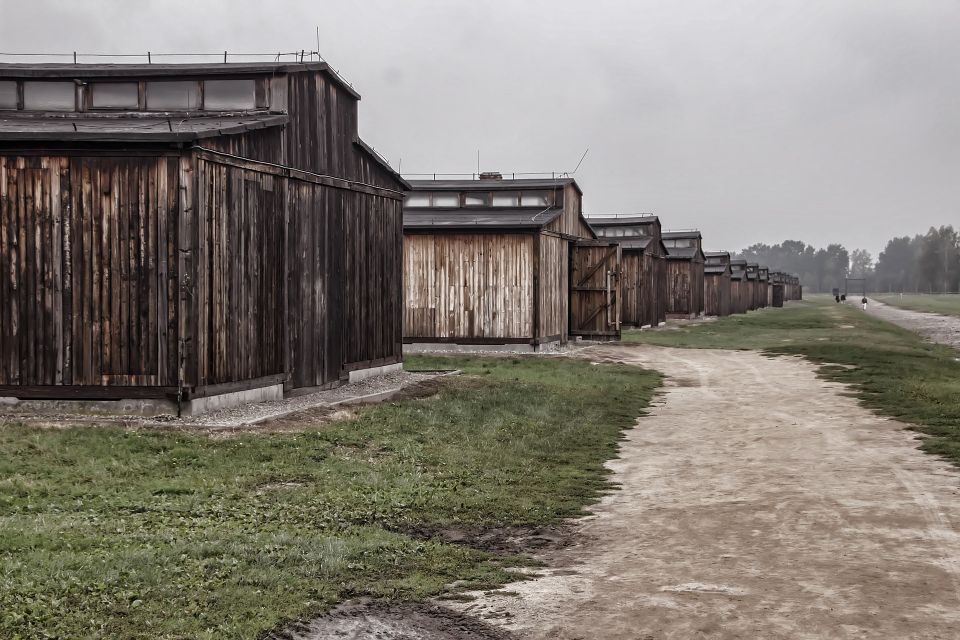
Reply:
x=837, y=298
x=864, y=303
x=843, y=298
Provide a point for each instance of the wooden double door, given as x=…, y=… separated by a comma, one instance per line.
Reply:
x=595, y=289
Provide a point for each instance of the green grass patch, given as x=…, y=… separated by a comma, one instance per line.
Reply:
x=945, y=304
x=112, y=533
x=896, y=372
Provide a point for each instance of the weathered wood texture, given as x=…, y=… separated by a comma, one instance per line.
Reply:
x=239, y=333
x=595, y=298
x=643, y=286
x=717, y=294
x=88, y=270
x=373, y=303
x=632, y=289
x=684, y=288
x=570, y=223
x=265, y=146
x=468, y=286
x=553, y=288
x=337, y=254
x=113, y=267
x=739, y=296
x=776, y=295
x=658, y=274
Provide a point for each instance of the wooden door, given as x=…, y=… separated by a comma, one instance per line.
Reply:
x=595, y=269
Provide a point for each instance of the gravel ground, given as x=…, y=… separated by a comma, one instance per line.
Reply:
x=250, y=415
x=932, y=326
x=756, y=500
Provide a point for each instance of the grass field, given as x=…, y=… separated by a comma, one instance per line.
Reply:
x=946, y=304
x=896, y=373
x=112, y=533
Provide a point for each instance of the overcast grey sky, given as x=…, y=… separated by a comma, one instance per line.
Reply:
x=756, y=121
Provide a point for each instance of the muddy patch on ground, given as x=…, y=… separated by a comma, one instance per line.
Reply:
x=366, y=621
x=512, y=540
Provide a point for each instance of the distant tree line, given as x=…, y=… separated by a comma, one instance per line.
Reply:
x=928, y=263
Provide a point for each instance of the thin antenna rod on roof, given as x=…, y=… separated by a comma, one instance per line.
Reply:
x=581, y=160
x=318, y=43
x=478, y=162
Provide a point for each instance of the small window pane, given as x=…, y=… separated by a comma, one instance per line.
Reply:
x=8, y=94
x=223, y=95
x=173, y=96
x=536, y=198
x=418, y=200
x=475, y=200
x=506, y=199
x=114, y=95
x=446, y=199
x=49, y=96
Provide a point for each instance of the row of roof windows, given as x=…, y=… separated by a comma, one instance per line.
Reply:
x=466, y=199
x=621, y=232
x=159, y=95
x=679, y=243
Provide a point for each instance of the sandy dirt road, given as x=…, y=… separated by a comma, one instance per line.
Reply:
x=932, y=326
x=757, y=502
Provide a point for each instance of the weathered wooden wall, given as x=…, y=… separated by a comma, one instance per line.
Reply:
x=684, y=287
x=266, y=145
x=632, y=289
x=335, y=251
x=323, y=125
x=659, y=271
x=655, y=299
x=738, y=296
x=642, y=284
x=570, y=223
x=112, y=266
x=553, y=287
x=717, y=294
x=240, y=278
x=373, y=243
x=468, y=286
x=88, y=255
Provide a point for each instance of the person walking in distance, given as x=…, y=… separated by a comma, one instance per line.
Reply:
x=863, y=301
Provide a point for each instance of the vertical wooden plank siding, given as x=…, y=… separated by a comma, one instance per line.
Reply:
x=467, y=286
x=81, y=242
x=632, y=288
x=239, y=278
x=554, y=288
x=717, y=291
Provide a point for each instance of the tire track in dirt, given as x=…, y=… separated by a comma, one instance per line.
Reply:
x=756, y=501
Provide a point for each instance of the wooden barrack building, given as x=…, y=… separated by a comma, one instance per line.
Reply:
x=753, y=286
x=739, y=287
x=685, y=261
x=717, y=284
x=191, y=232
x=505, y=261
x=644, y=273
x=766, y=290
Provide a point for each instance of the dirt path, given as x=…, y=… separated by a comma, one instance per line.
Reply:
x=757, y=501
x=932, y=326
